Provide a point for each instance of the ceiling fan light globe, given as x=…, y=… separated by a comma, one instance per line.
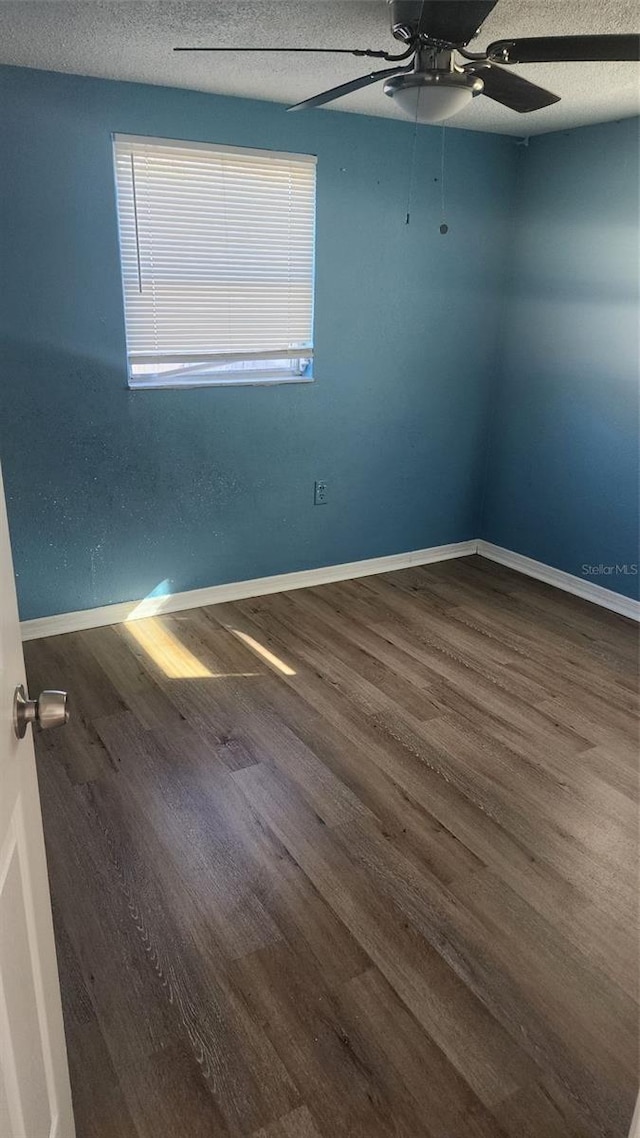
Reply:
x=432, y=96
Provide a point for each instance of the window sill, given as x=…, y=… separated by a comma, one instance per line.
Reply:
x=156, y=383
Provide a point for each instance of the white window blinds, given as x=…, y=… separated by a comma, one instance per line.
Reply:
x=217, y=249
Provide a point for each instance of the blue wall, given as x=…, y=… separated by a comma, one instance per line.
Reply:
x=112, y=492
x=562, y=483
x=532, y=295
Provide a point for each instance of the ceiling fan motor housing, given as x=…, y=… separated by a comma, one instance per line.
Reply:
x=405, y=17
x=444, y=21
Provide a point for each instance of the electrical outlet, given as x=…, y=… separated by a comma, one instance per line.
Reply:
x=320, y=494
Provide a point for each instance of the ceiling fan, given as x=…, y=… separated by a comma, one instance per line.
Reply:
x=433, y=85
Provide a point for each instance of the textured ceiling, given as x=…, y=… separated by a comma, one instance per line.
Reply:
x=132, y=40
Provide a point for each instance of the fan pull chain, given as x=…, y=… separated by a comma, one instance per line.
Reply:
x=444, y=228
x=412, y=168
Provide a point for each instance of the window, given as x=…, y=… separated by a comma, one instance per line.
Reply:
x=217, y=250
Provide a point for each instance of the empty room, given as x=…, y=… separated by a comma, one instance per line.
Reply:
x=319, y=546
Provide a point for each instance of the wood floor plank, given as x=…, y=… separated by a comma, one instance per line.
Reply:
x=134, y=1016
x=209, y=867
x=532, y=1112
x=298, y=1124
x=359, y=759
x=560, y=651
x=537, y=979
x=99, y=1105
x=457, y=1021
x=402, y=730
x=175, y=977
x=403, y=1053
x=567, y=832
x=521, y=850
x=314, y=1038
x=358, y=861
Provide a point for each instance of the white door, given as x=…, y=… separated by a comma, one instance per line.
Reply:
x=35, y=1098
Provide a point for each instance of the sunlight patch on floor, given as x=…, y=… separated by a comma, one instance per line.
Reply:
x=263, y=653
x=167, y=652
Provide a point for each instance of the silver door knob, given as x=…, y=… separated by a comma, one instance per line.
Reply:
x=50, y=709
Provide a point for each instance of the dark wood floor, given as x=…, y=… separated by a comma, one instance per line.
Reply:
x=352, y=862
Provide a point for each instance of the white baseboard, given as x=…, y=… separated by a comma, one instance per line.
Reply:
x=606, y=598
x=237, y=590
x=305, y=578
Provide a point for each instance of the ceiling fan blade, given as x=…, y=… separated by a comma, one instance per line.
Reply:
x=453, y=21
x=564, y=49
x=347, y=88
x=511, y=90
